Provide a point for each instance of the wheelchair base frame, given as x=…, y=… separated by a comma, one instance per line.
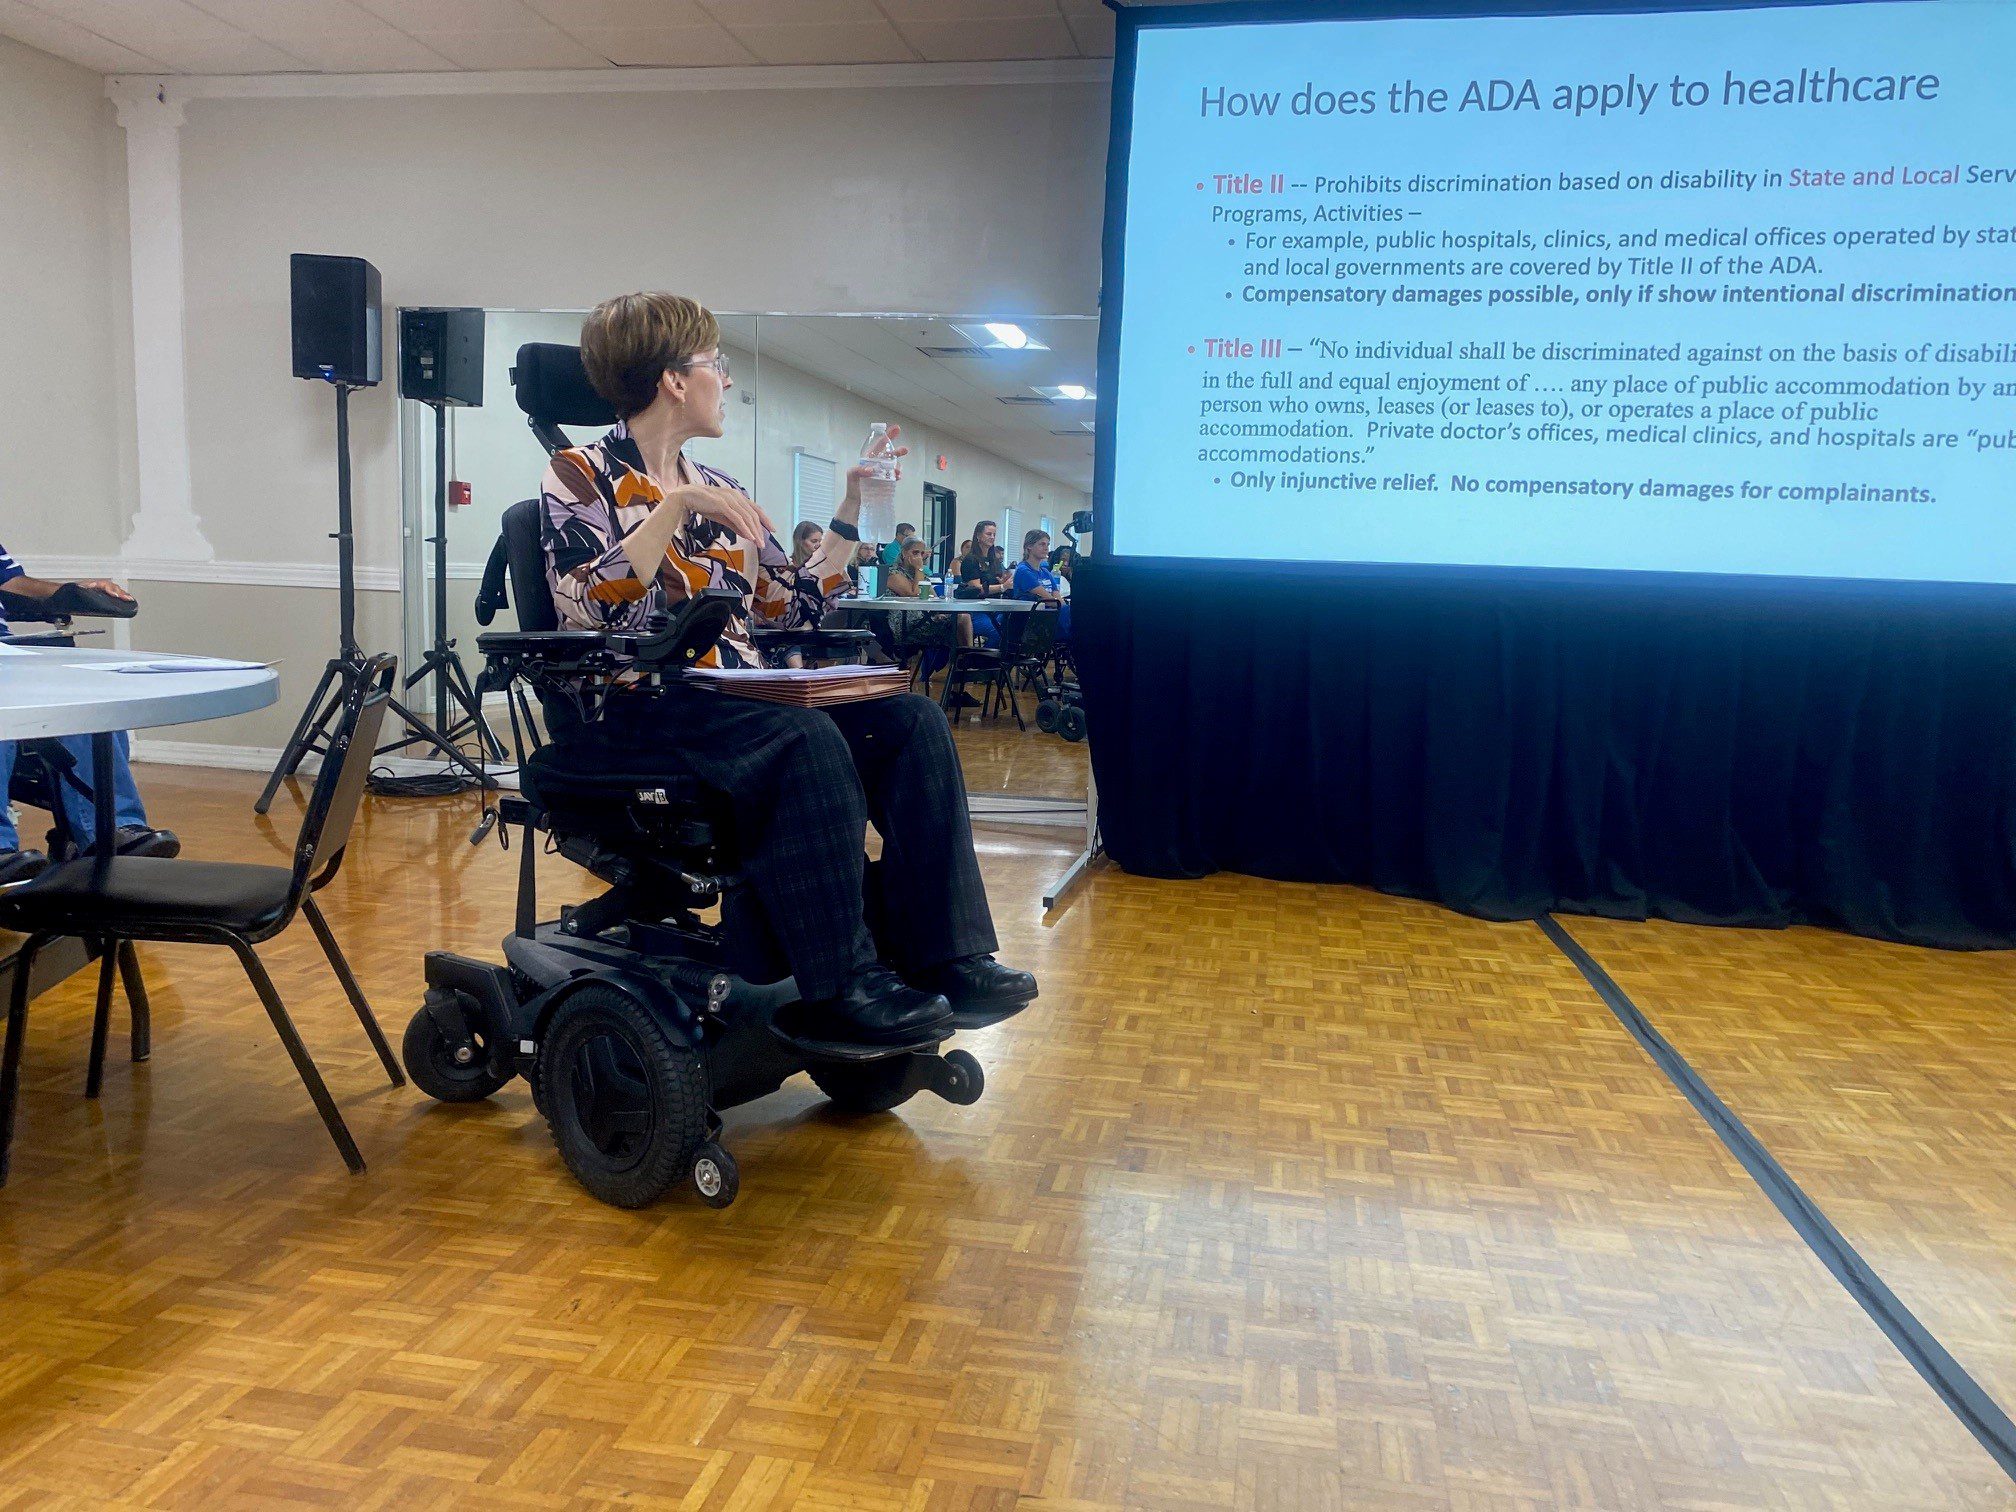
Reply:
x=491, y=1019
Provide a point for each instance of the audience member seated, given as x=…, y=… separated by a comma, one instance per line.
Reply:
x=1034, y=579
x=806, y=540
x=134, y=837
x=983, y=574
x=911, y=578
x=631, y=525
x=864, y=556
x=893, y=552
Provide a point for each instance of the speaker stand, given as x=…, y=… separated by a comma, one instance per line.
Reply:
x=342, y=672
x=439, y=661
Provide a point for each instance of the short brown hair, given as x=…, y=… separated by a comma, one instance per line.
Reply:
x=627, y=344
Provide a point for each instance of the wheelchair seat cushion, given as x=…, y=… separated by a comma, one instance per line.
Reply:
x=598, y=767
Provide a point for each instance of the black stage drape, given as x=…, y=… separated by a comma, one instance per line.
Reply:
x=1758, y=755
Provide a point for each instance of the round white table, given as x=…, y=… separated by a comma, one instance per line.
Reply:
x=63, y=690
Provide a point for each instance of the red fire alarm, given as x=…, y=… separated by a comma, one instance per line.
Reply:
x=943, y=462
x=458, y=495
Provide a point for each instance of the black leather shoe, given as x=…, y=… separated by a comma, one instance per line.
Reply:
x=876, y=1008
x=20, y=865
x=979, y=983
x=139, y=840
x=129, y=840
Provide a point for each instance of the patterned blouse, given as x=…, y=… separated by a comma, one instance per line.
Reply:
x=593, y=496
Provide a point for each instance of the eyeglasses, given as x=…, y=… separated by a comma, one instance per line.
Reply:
x=719, y=364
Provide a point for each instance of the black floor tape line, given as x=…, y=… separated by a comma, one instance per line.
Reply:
x=1957, y=1389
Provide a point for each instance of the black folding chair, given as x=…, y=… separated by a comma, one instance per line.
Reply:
x=111, y=900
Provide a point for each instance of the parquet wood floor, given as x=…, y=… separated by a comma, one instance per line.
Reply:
x=1284, y=1197
x=1883, y=1078
x=998, y=758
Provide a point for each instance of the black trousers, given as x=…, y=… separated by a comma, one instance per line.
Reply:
x=803, y=785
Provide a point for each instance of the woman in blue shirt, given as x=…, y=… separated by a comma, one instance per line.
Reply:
x=1035, y=580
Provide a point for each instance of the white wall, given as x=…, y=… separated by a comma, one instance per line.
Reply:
x=66, y=463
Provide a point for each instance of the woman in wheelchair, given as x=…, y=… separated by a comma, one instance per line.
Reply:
x=631, y=525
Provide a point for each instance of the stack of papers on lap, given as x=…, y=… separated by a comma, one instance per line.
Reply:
x=806, y=687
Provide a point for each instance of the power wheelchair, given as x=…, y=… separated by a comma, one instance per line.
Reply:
x=634, y=1020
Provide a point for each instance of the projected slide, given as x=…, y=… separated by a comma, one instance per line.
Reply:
x=1722, y=291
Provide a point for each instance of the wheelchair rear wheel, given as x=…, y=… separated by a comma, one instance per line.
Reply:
x=1047, y=711
x=1071, y=722
x=626, y=1103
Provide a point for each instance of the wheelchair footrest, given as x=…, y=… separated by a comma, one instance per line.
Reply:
x=982, y=1018
x=815, y=1041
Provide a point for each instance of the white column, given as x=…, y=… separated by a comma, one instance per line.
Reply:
x=166, y=527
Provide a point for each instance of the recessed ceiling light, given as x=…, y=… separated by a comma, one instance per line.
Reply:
x=1001, y=336
x=1073, y=391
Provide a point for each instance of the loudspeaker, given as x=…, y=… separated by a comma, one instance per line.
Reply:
x=338, y=328
x=441, y=356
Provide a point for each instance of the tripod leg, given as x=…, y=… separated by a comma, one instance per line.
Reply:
x=422, y=731
x=297, y=743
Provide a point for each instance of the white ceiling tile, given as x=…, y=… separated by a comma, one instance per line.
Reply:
x=577, y=15
x=541, y=47
x=739, y=13
x=707, y=46
x=418, y=16
x=137, y=25
x=1092, y=30
x=270, y=18
x=902, y=11
x=380, y=50
x=65, y=39
x=842, y=42
x=959, y=41
x=229, y=53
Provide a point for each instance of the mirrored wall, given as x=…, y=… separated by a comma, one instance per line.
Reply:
x=997, y=413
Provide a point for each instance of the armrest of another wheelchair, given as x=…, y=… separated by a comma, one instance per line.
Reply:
x=69, y=601
x=53, y=637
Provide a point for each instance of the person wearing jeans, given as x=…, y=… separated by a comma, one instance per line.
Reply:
x=133, y=836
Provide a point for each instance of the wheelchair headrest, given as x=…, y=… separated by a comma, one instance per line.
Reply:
x=552, y=385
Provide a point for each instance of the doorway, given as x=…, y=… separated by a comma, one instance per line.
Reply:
x=941, y=508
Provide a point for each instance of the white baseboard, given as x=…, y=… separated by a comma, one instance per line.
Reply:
x=242, y=758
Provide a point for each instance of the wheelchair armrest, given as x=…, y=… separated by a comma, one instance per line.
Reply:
x=545, y=645
x=688, y=633
x=814, y=640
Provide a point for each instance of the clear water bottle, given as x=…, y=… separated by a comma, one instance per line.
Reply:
x=878, y=489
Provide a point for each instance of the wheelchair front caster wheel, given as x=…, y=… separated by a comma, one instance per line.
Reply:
x=1071, y=722
x=1046, y=716
x=960, y=1079
x=450, y=1074
x=715, y=1176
